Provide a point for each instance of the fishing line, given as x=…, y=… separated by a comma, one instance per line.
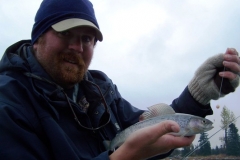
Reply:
x=220, y=89
x=191, y=152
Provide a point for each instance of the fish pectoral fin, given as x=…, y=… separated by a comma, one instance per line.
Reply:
x=106, y=144
x=185, y=133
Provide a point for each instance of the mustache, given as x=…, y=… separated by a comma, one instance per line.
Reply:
x=73, y=57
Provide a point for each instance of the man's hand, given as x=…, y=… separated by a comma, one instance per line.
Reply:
x=151, y=141
x=232, y=62
x=220, y=71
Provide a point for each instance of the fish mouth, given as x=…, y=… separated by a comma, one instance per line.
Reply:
x=209, y=127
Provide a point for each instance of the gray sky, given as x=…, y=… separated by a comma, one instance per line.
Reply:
x=150, y=48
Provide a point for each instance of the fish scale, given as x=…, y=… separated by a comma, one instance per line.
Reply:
x=182, y=122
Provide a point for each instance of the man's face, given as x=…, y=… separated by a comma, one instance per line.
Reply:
x=66, y=55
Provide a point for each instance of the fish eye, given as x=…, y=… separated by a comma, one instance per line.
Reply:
x=204, y=121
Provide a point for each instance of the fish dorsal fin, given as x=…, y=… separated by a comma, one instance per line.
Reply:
x=161, y=109
x=157, y=110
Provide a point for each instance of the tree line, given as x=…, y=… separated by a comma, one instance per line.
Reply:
x=230, y=142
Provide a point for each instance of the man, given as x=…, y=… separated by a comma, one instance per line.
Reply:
x=53, y=107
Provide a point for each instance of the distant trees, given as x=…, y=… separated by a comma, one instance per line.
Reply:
x=186, y=150
x=232, y=147
x=227, y=118
x=233, y=143
x=216, y=151
x=205, y=148
x=231, y=140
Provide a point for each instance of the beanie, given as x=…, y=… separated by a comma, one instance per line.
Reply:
x=64, y=14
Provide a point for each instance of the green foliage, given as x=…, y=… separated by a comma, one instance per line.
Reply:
x=205, y=150
x=231, y=139
x=227, y=118
x=216, y=151
x=186, y=150
x=233, y=144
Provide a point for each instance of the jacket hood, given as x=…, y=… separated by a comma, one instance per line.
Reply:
x=13, y=58
x=19, y=57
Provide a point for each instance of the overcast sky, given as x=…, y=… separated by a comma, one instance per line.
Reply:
x=150, y=48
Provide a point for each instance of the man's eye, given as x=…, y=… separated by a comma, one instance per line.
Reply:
x=64, y=33
x=87, y=38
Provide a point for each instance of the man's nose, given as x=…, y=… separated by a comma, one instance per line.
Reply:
x=76, y=44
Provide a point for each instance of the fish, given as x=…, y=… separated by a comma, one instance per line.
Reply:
x=189, y=124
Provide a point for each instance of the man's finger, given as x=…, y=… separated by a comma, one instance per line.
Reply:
x=232, y=51
x=165, y=127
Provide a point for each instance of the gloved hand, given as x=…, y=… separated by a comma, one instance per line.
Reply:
x=207, y=81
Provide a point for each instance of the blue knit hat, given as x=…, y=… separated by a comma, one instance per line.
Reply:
x=64, y=14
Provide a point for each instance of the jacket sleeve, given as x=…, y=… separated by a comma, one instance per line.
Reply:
x=185, y=103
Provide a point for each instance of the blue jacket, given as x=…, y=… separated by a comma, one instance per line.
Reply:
x=36, y=121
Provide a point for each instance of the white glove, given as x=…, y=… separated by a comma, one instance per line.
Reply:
x=206, y=82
